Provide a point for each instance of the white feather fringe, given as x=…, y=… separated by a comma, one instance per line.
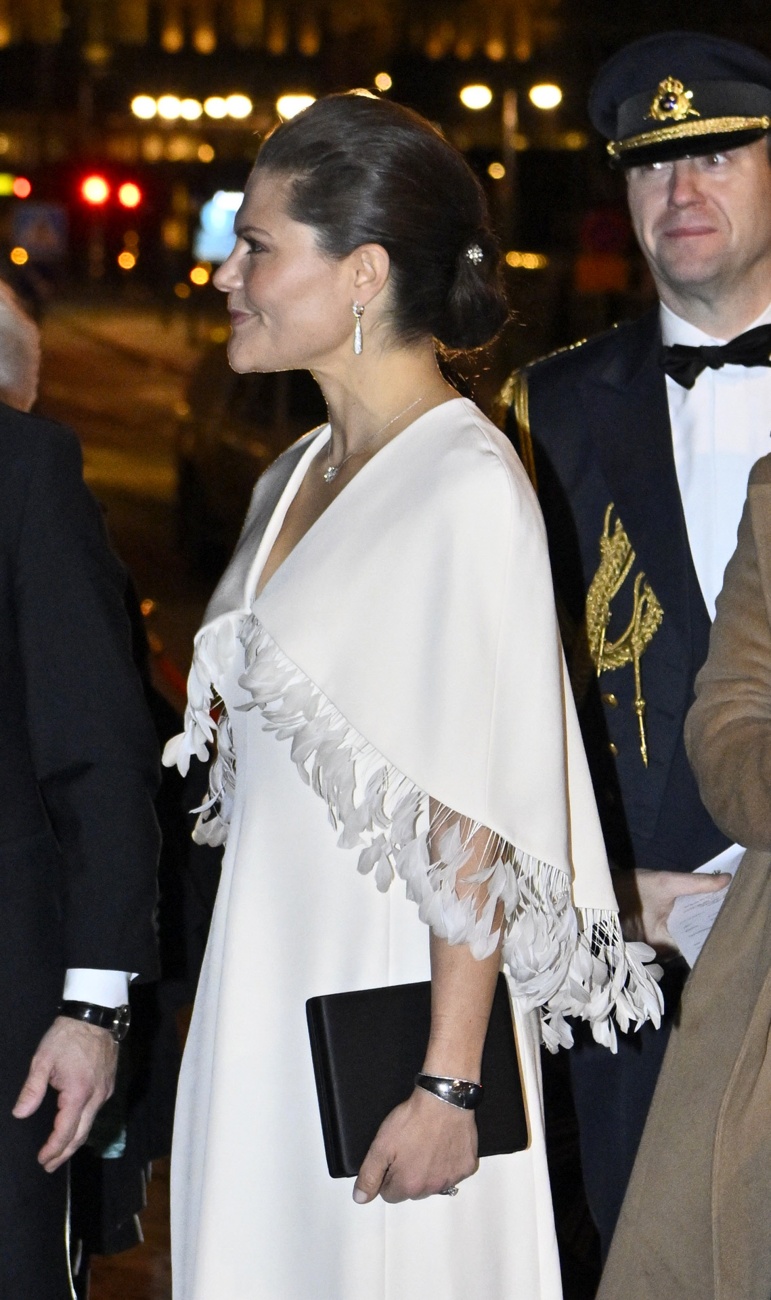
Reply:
x=468, y=882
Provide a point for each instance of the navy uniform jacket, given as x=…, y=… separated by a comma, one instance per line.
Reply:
x=592, y=427
x=78, y=770
x=594, y=431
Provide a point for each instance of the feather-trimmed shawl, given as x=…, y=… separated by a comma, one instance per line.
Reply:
x=408, y=648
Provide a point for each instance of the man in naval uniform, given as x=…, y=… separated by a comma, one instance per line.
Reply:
x=640, y=444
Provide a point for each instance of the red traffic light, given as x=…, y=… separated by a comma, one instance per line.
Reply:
x=129, y=195
x=21, y=187
x=95, y=190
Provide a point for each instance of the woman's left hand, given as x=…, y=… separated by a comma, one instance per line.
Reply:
x=422, y=1148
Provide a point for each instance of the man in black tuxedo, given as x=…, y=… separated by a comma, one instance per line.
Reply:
x=78, y=838
x=640, y=443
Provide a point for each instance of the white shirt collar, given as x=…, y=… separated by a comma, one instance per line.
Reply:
x=676, y=330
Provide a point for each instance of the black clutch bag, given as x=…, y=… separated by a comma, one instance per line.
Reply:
x=367, y=1048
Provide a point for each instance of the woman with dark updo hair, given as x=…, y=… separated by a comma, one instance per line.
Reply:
x=399, y=773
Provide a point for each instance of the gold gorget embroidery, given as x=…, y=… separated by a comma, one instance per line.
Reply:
x=616, y=563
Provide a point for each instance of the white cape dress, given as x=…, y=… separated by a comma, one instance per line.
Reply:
x=254, y=1212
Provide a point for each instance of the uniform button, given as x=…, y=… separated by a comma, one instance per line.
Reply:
x=613, y=748
x=609, y=698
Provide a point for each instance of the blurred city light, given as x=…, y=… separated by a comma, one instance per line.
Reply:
x=215, y=107
x=144, y=106
x=214, y=239
x=7, y=181
x=205, y=39
x=182, y=290
x=497, y=171
x=126, y=260
x=545, y=95
x=129, y=195
x=383, y=81
x=205, y=153
x=19, y=256
x=95, y=190
x=22, y=188
x=238, y=106
x=199, y=275
x=527, y=261
x=495, y=49
x=575, y=140
x=191, y=109
x=290, y=105
x=169, y=107
x=476, y=96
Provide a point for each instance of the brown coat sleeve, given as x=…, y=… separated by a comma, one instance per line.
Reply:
x=693, y=1224
x=728, y=731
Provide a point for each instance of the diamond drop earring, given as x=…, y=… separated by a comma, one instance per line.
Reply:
x=358, y=342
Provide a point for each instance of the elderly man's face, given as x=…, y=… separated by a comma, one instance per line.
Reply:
x=704, y=223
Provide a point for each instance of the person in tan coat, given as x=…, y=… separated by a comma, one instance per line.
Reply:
x=694, y=1224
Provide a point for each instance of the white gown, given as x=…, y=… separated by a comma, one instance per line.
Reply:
x=255, y=1215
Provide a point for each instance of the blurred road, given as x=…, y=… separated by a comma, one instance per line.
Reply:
x=117, y=375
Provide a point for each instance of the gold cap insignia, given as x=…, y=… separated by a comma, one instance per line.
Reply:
x=672, y=102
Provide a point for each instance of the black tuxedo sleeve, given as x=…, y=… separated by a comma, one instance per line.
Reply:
x=90, y=738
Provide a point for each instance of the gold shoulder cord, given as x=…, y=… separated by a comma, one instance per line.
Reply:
x=515, y=394
x=616, y=562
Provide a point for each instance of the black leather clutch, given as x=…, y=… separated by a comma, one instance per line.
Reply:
x=367, y=1048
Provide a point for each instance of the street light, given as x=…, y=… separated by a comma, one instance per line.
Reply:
x=290, y=105
x=129, y=195
x=95, y=190
x=238, y=106
x=215, y=107
x=144, y=106
x=191, y=109
x=545, y=95
x=169, y=107
x=476, y=96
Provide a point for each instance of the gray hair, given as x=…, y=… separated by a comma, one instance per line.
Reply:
x=19, y=352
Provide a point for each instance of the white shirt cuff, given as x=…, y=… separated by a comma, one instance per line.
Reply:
x=104, y=988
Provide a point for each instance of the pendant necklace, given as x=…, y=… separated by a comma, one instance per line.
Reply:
x=332, y=471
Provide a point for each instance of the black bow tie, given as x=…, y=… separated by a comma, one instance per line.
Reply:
x=684, y=364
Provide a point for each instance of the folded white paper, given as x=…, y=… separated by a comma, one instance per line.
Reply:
x=693, y=915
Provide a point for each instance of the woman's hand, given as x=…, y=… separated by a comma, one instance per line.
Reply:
x=422, y=1148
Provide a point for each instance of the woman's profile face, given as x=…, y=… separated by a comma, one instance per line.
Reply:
x=289, y=304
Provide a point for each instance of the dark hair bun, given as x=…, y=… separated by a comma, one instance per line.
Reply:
x=476, y=307
x=368, y=171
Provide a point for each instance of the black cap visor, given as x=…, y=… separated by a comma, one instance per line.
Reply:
x=687, y=140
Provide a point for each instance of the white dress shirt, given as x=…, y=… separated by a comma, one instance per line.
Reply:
x=720, y=427
x=105, y=988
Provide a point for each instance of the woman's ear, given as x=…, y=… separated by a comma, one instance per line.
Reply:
x=371, y=269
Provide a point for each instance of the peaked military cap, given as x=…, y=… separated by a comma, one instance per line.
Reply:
x=678, y=94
